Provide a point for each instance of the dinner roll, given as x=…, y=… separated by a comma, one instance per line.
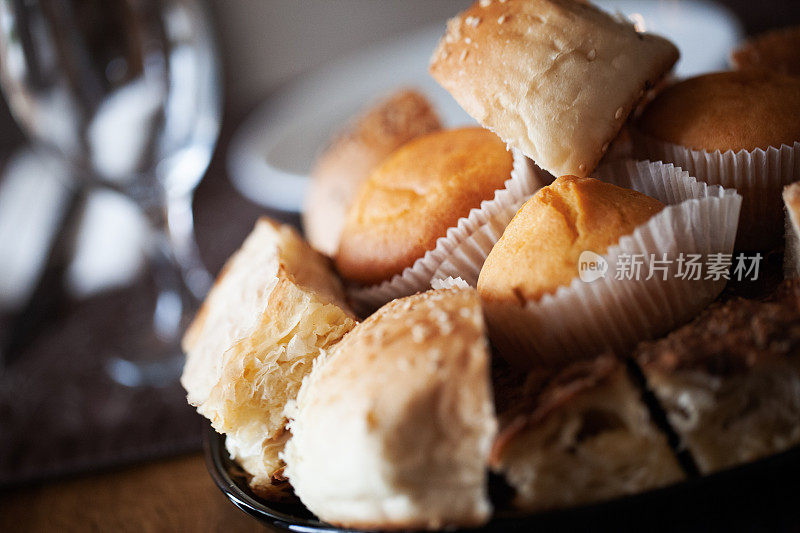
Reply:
x=726, y=111
x=581, y=435
x=415, y=196
x=730, y=381
x=554, y=78
x=541, y=246
x=392, y=429
x=274, y=307
x=774, y=51
x=343, y=166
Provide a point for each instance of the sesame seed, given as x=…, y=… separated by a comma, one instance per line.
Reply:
x=502, y=18
x=618, y=114
x=605, y=148
x=472, y=21
x=582, y=167
x=464, y=54
x=485, y=3
x=591, y=55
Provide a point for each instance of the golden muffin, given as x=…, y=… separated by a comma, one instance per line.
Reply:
x=773, y=51
x=726, y=111
x=414, y=196
x=540, y=249
x=353, y=153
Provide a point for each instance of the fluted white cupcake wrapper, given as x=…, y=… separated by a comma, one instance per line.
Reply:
x=482, y=225
x=614, y=312
x=758, y=175
x=450, y=283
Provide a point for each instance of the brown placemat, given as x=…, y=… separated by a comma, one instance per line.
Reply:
x=61, y=413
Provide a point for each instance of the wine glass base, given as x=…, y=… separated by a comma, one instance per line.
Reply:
x=157, y=373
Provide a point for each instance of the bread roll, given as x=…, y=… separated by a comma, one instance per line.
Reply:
x=415, y=196
x=730, y=381
x=354, y=152
x=726, y=111
x=540, y=248
x=392, y=429
x=275, y=306
x=553, y=78
x=581, y=435
x=773, y=51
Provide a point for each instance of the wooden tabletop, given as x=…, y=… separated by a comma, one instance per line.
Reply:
x=168, y=495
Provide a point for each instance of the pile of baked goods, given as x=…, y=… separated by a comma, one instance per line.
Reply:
x=537, y=296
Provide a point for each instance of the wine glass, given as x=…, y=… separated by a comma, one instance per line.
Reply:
x=128, y=93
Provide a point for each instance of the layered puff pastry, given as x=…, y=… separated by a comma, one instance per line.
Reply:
x=274, y=308
x=730, y=381
x=578, y=435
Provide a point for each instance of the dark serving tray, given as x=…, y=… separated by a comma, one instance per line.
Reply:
x=759, y=496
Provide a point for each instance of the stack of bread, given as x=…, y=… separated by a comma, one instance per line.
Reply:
x=507, y=325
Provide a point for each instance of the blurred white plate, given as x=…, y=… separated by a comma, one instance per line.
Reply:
x=273, y=150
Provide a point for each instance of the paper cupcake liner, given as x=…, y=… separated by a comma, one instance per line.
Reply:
x=482, y=225
x=612, y=311
x=449, y=283
x=758, y=175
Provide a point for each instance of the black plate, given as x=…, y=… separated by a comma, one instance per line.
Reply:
x=760, y=496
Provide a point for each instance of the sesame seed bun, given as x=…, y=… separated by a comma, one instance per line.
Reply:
x=393, y=429
x=554, y=78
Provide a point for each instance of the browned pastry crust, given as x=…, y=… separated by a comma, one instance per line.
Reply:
x=773, y=51
x=726, y=111
x=730, y=381
x=542, y=396
x=354, y=152
x=578, y=435
x=415, y=196
x=730, y=338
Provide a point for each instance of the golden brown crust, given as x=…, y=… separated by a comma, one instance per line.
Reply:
x=353, y=153
x=414, y=196
x=773, y=51
x=730, y=338
x=540, y=248
x=726, y=111
x=553, y=78
x=549, y=394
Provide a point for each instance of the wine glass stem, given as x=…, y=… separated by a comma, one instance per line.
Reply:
x=180, y=277
x=181, y=282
